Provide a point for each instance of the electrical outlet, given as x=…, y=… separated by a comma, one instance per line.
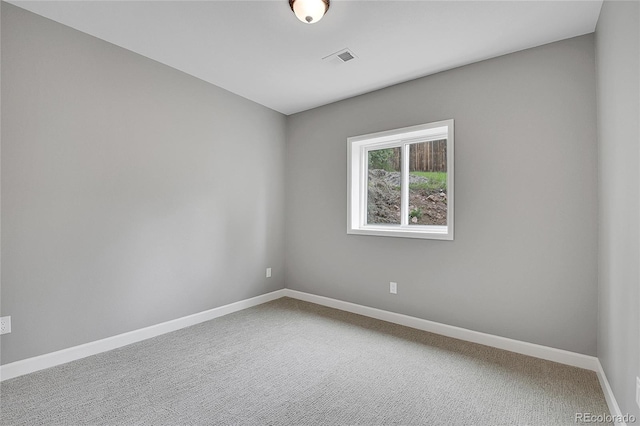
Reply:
x=638, y=391
x=268, y=272
x=393, y=288
x=5, y=325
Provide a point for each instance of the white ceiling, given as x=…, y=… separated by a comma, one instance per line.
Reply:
x=261, y=51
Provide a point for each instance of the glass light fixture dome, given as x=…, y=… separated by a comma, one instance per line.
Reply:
x=309, y=11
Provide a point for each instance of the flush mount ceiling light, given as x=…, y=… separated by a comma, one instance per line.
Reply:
x=309, y=11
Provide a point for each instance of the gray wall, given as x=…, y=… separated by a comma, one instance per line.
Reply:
x=523, y=262
x=617, y=55
x=122, y=209
x=132, y=193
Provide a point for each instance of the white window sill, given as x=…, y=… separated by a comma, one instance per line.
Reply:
x=422, y=232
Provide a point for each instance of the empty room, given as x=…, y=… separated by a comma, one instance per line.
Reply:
x=315, y=212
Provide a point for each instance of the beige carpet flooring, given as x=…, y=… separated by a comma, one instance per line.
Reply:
x=289, y=362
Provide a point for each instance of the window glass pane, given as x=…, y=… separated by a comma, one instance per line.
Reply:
x=428, y=183
x=383, y=186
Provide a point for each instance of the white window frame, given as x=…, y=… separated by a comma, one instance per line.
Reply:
x=358, y=148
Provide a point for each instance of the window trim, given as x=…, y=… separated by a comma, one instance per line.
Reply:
x=357, y=174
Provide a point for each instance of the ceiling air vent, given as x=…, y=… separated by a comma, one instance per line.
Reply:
x=341, y=56
x=346, y=56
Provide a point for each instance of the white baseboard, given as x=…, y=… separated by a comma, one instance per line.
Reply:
x=525, y=348
x=609, y=397
x=41, y=362
x=30, y=365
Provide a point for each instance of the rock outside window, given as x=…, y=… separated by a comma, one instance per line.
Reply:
x=400, y=182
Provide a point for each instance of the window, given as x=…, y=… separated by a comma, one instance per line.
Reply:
x=400, y=182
